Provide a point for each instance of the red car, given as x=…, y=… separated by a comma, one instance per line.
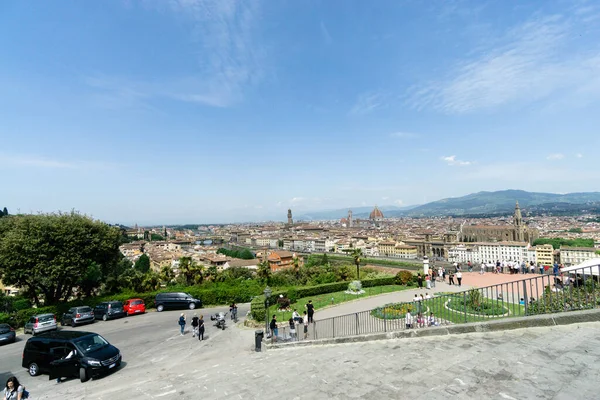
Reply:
x=134, y=306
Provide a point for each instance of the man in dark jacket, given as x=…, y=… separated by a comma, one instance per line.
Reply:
x=273, y=327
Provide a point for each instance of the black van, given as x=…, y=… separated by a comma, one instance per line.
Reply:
x=70, y=354
x=176, y=300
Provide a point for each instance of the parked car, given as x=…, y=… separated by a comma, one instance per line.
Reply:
x=40, y=323
x=92, y=355
x=7, y=334
x=176, y=300
x=77, y=316
x=134, y=306
x=109, y=310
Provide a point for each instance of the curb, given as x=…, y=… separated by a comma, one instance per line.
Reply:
x=566, y=318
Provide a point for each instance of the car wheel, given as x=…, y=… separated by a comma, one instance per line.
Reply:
x=104, y=317
x=34, y=370
x=32, y=332
x=223, y=327
x=62, y=322
x=192, y=306
x=72, y=324
x=160, y=307
x=83, y=375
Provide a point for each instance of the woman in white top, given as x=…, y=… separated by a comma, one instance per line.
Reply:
x=13, y=390
x=408, y=320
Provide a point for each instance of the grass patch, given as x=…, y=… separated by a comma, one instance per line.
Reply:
x=325, y=300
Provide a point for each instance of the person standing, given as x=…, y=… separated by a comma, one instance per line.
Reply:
x=292, y=328
x=420, y=280
x=482, y=270
x=408, y=320
x=433, y=277
x=273, y=327
x=296, y=316
x=470, y=266
x=201, y=328
x=459, y=278
x=310, y=308
x=182, y=323
x=427, y=282
x=194, y=325
x=305, y=323
x=451, y=278
x=56, y=370
x=13, y=389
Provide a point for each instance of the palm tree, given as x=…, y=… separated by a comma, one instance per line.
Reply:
x=166, y=275
x=356, y=255
x=264, y=271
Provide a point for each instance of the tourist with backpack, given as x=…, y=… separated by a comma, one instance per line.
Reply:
x=194, y=325
x=181, y=323
x=14, y=390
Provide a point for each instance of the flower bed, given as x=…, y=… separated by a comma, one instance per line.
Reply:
x=485, y=307
x=392, y=311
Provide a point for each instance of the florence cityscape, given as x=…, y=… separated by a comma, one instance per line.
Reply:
x=325, y=199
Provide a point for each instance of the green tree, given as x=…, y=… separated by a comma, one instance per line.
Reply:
x=246, y=255
x=264, y=272
x=143, y=264
x=356, y=254
x=191, y=272
x=4, y=211
x=325, y=259
x=166, y=275
x=280, y=243
x=47, y=254
x=296, y=267
x=155, y=237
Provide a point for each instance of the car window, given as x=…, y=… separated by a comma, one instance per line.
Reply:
x=36, y=345
x=46, y=318
x=85, y=309
x=71, y=311
x=136, y=302
x=32, y=320
x=89, y=344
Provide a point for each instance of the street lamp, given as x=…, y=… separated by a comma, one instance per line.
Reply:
x=267, y=292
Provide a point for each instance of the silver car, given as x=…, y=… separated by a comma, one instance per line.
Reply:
x=41, y=323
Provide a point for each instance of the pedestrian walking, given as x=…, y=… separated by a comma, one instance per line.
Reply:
x=310, y=308
x=482, y=270
x=451, y=278
x=440, y=274
x=201, y=327
x=427, y=282
x=305, y=323
x=420, y=280
x=14, y=390
x=433, y=278
x=470, y=266
x=273, y=327
x=182, y=323
x=459, y=278
x=194, y=325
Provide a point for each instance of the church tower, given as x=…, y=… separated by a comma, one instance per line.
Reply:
x=290, y=220
x=349, y=218
x=519, y=235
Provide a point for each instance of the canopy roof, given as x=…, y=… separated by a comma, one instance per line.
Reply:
x=587, y=267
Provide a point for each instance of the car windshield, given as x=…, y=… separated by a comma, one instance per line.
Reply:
x=46, y=318
x=89, y=344
x=4, y=328
x=85, y=310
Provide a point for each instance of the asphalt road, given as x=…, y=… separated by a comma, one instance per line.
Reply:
x=145, y=342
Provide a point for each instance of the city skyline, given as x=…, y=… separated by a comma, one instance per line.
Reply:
x=221, y=111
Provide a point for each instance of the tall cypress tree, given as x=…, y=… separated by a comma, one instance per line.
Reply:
x=5, y=211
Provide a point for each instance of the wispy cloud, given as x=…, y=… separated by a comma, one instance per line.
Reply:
x=325, y=33
x=579, y=155
x=529, y=64
x=404, y=135
x=368, y=102
x=35, y=161
x=452, y=161
x=555, y=156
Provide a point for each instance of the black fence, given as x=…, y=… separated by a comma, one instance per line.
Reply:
x=577, y=289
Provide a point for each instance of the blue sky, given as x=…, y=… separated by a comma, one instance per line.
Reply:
x=185, y=111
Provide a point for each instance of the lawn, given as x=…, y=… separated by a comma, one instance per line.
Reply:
x=330, y=299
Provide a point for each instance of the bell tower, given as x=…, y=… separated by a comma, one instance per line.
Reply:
x=349, y=218
x=289, y=217
x=519, y=235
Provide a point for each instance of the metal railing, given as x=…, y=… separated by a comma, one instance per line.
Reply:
x=577, y=289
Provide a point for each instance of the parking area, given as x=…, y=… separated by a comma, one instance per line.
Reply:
x=155, y=356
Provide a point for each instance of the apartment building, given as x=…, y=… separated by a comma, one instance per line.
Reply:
x=544, y=254
x=577, y=255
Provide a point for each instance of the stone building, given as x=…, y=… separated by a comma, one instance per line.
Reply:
x=517, y=232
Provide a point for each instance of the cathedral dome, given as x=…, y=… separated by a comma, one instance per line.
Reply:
x=376, y=214
x=343, y=221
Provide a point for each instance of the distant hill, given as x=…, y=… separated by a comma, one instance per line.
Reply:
x=503, y=202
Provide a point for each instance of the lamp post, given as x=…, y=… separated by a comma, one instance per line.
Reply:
x=267, y=292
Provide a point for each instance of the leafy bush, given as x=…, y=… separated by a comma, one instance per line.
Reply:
x=257, y=308
x=404, y=278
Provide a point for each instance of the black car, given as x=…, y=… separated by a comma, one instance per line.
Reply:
x=176, y=300
x=7, y=334
x=70, y=354
x=77, y=315
x=109, y=310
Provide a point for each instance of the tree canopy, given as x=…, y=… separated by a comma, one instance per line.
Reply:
x=50, y=256
x=242, y=253
x=142, y=264
x=557, y=242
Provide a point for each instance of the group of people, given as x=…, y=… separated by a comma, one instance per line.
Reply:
x=439, y=275
x=197, y=325
x=420, y=321
x=294, y=322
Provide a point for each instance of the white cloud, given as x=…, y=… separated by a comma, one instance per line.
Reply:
x=399, y=202
x=385, y=198
x=451, y=160
x=404, y=135
x=368, y=102
x=579, y=155
x=297, y=200
x=555, y=156
x=529, y=64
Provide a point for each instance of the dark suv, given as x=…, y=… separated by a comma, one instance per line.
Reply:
x=109, y=310
x=176, y=300
x=77, y=315
x=70, y=354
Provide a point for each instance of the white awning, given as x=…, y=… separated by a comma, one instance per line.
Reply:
x=587, y=267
